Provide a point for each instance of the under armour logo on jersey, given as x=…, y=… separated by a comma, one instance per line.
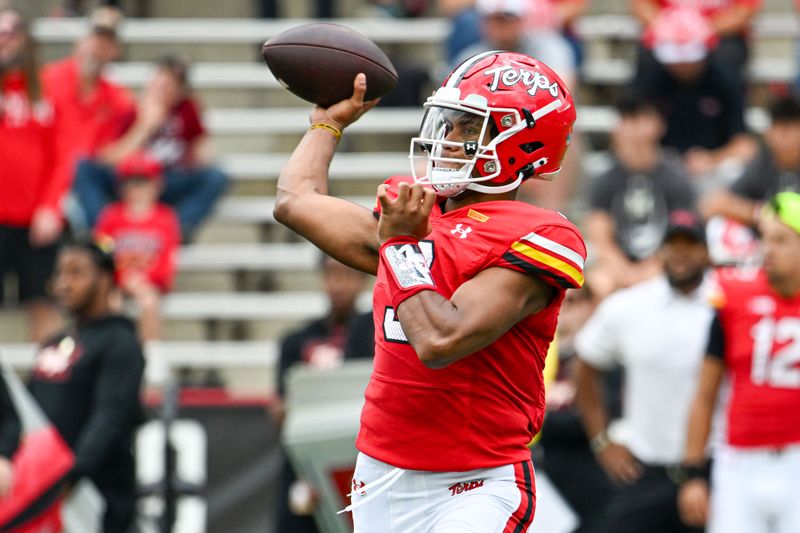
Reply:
x=510, y=76
x=461, y=230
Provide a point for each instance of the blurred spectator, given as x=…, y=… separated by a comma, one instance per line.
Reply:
x=701, y=100
x=776, y=168
x=87, y=380
x=540, y=16
x=657, y=332
x=9, y=438
x=630, y=204
x=322, y=344
x=77, y=8
x=167, y=125
x=733, y=212
x=88, y=105
x=465, y=27
x=30, y=212
x=504, y=26
x=753, y=344
x=567, y=460
x=145, y=236
x=399, y=8
x=729, y=21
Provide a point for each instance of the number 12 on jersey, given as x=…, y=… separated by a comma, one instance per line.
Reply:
x=782, y=368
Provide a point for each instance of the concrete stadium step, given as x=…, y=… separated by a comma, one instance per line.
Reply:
x=245, y=257
x=256, y=76
x=233, y=306
x=176, y=354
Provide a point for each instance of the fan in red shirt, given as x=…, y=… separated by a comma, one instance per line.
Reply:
x=167, y=125
x=755, y=341
x=145, y=236
x=89, y=106
x=29, y=196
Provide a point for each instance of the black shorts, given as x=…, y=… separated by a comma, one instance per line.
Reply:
x=32, y=266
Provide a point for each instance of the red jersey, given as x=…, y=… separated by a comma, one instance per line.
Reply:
x=484, y=410
x=172, y=143
x=85, y=122
x=149, y=245
x=761, y=349
x=710, y=8
x=26, y=154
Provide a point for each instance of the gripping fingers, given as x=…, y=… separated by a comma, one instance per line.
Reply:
x=428, y=200
x=359, y=89
x=383, y=197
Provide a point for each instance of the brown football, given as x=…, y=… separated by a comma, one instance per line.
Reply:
x=319, y=61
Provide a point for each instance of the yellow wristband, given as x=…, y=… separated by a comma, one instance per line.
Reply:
x=321, y=125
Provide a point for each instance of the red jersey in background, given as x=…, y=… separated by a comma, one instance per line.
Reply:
x=761, y=345
x=484, y=410
x=149, y=245
x=27, y=154
x=85, y=122
x=172, y=143
x=710, y=8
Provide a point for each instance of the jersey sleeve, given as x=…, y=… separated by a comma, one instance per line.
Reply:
x=553, y=253
x=716, y=339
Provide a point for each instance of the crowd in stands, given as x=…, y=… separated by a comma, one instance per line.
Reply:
x=685, y=191
x=88, y=142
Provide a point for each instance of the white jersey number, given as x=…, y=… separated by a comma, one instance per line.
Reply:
x=782, y=368
x=392, y=329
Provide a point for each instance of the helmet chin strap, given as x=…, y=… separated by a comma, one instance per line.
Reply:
x=496, y=189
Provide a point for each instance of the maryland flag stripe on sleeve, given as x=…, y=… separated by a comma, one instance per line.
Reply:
x=541, y=256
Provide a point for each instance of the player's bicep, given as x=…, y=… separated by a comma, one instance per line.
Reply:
x=495, y=300
x=346, y=231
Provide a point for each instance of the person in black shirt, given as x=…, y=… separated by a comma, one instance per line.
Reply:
x=701, y=101
x=630, y=203
x=87, y=380
x=775, y=169
x=343, y=333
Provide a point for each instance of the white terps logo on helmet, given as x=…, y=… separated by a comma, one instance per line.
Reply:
x=511, y=76
x=498, y=119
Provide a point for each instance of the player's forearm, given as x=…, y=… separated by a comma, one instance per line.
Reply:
x=435, y=329
x=700, y=416
x=590, y=399
x=702, y=411
x=729, y=205
x=305, y=173
x=740, y=149
x=129, y=143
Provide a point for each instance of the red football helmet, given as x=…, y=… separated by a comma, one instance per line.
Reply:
x=499, y=118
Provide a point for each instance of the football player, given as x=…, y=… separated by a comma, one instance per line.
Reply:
x=755, y=340
x=469, y=284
